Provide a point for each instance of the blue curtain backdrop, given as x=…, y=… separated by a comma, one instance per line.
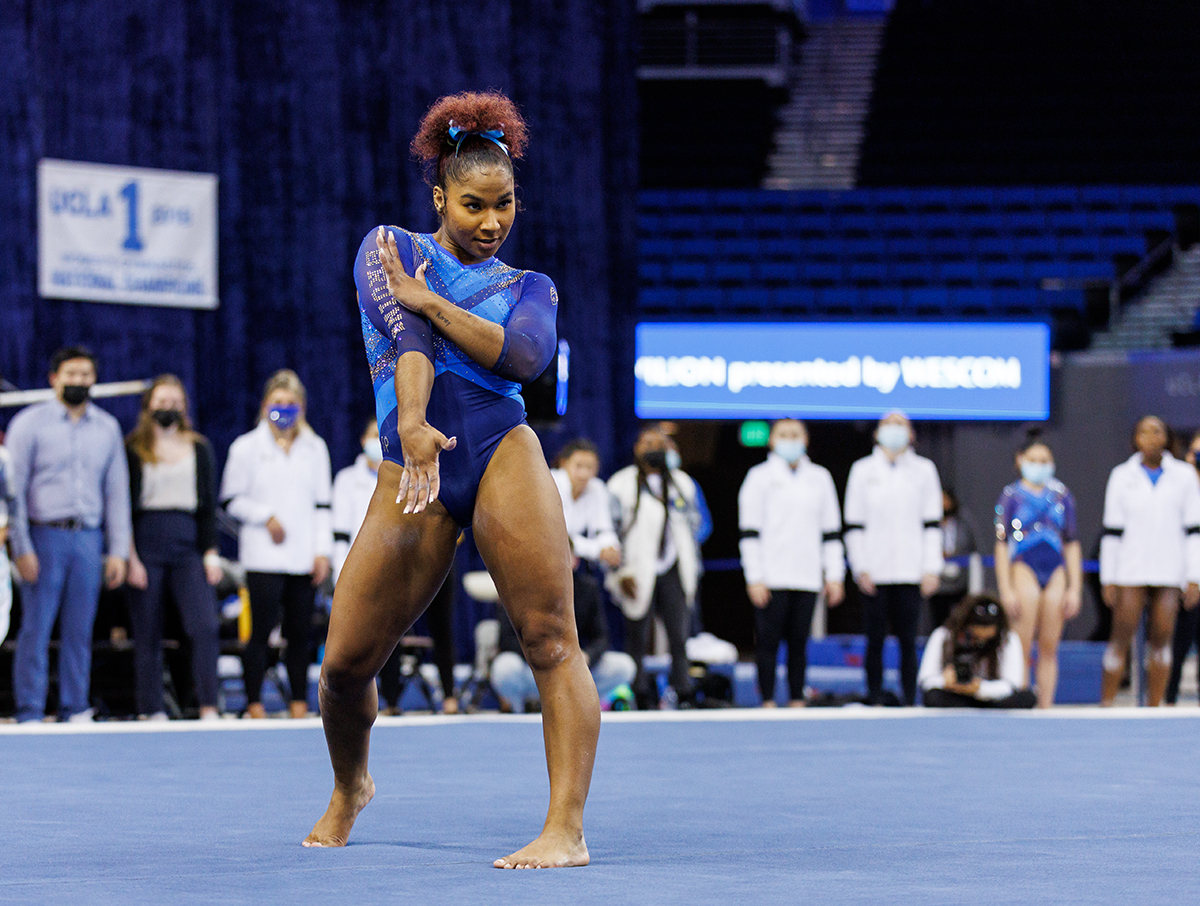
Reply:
x=305, y=110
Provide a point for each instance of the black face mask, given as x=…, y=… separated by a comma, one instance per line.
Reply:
x=655, y=460
x=167, y=417
x=75, y=394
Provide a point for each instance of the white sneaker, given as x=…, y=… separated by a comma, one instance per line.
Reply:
x=83, y=717
x=156, y=716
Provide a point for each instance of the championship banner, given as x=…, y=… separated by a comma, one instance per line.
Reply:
x=127, y=234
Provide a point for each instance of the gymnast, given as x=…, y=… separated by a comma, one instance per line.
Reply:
x=1039, y=562
x=449, y=332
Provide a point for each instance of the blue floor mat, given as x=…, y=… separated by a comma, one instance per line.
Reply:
x=862, y=806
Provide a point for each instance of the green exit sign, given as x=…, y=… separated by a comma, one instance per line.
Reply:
x=754, y=434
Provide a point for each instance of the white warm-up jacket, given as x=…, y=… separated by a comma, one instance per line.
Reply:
x=353, y=488
x=1151, y=531
x=262, y=481
x=640, y=538
x=893, y=518
x=791, y=529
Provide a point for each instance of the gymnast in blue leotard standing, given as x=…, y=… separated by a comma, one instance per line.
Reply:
x=450, y=332
x=1039, y=563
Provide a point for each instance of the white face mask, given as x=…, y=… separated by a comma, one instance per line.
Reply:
x=791, y=450
x=673, y=459
x=893, y=437
x=373, y=449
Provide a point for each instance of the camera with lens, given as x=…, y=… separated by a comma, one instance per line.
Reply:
x=964, y=665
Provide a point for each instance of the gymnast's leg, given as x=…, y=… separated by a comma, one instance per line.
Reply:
x=521, y=534
x=392, y=572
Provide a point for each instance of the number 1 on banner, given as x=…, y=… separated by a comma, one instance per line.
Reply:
x=132, y=241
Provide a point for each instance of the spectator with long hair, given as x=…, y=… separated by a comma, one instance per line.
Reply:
x=173, y=494
x=974, y=660
x=277, y=485
x=655, y=509
x=450, y=333
x=1150, y=551
x=1039, y=562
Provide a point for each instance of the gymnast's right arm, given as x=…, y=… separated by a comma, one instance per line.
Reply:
x=413, y=338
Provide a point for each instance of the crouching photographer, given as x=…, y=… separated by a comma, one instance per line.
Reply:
x=975, y=660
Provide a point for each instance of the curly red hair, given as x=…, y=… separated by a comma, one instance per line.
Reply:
x=474, y=111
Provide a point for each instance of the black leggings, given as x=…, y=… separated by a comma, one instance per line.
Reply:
x=899, y=606
x=940, y=698
x=1187, y=633
x=273, y=595
x=670, y=603
x=787, y=617
x=439, y=617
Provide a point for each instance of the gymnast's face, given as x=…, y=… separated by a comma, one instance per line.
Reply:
x=477, y=213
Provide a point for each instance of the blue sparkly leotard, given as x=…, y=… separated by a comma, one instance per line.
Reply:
x=477, y=405
x=1036, y=525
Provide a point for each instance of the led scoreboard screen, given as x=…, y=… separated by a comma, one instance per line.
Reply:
x=983, y=371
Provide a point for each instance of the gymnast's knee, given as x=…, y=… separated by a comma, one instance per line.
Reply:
x=547, y=640
x=340, y=676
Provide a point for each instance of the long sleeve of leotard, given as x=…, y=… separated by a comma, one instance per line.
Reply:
x=530, y=335
x=409, y=331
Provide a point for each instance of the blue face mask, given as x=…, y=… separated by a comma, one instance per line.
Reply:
x=1037, y=472
x=893, y=438
x=283, y=417
x=673, y=459
x=373, y=448
x=790, y=450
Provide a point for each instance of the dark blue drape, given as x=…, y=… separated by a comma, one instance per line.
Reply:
x=305, y=111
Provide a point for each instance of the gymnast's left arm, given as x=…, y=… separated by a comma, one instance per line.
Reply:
x=519, y=350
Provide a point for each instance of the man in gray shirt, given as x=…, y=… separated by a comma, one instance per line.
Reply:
x=70, y=531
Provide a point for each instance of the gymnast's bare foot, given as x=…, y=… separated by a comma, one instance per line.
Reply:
x=550, y=850
x=334, y=827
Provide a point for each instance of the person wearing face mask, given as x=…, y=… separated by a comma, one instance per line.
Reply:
x=1039, y=562
x=1187, y=623
x=69, y=529
x=893, y=535
x=958, y=541
x=1149, y=552
x=277, y=485
x=173, y=492
x=975, y=660
x=660, y=560
x=791, y=546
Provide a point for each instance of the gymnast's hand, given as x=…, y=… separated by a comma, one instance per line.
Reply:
x=420, y=483
x=408, y=291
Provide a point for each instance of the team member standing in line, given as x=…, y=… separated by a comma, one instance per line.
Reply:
x=70, y=531
x=894, y=544
x=173, y=491
x=1039, y=563
x=1150, y=550
x=450, y=332
x=791, y=546
x=277, y=485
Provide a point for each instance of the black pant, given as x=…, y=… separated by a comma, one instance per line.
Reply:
x=273, y=595
x=940, y=606
x=439, y=618
x=1187, y=633
x=940, y=698
x=899, y=606
x=670, y=603
x=787, y=617
x=197, y=607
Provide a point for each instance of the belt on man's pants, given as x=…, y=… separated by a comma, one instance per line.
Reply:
x=71, y=525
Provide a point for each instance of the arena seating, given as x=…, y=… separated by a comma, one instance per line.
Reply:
x=1001, y=252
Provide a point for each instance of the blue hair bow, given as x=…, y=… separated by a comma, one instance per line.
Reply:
x=458, y=135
